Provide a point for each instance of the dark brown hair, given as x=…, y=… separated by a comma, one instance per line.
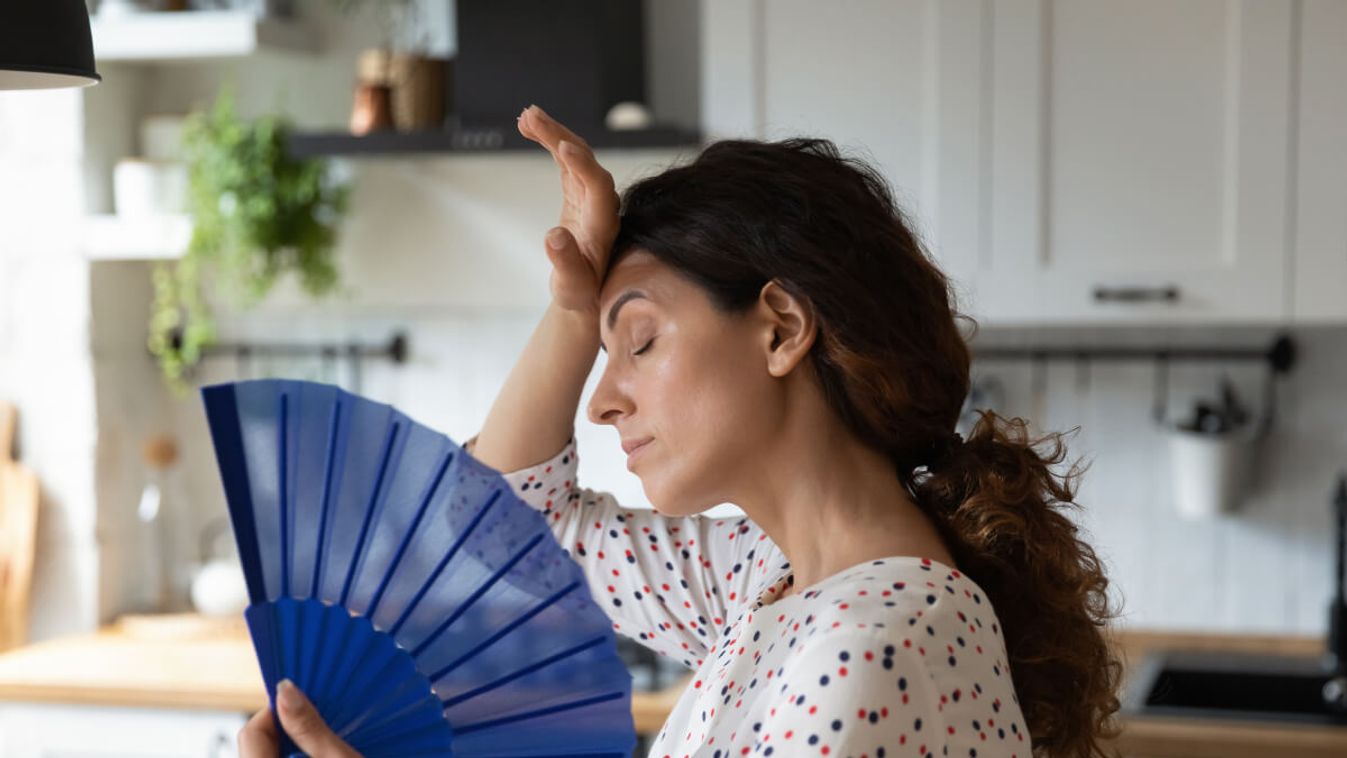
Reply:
x=894, y=365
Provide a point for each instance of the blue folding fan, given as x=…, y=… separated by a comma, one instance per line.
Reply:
x=400, y=583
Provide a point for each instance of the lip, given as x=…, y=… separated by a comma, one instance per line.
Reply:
x=635, y=447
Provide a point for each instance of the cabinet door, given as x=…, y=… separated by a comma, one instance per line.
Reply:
x=1320, y=267
x=871, y=75
x=76, y=731
x=1137, y=168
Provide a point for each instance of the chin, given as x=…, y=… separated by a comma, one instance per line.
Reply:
x=672, y=505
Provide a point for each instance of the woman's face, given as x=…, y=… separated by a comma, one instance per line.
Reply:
x=692, y=381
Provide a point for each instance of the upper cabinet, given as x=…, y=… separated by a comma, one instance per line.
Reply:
x=1320, y=244
x=1074, y=161
x=866, y=74
x=196, y=35
x=1138, y=160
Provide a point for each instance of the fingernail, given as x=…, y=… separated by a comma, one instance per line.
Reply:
x=556, y=239
x=288, y=695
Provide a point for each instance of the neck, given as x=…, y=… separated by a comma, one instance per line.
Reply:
x=842, y=503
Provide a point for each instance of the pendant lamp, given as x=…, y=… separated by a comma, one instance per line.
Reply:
x=45, y=44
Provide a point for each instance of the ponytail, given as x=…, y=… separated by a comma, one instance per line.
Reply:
x=1000, y=507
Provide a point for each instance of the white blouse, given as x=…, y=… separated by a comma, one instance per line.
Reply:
x=901, y=656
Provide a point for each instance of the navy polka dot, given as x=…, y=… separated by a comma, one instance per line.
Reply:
x=707, y=592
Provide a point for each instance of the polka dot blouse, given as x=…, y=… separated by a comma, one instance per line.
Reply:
x=900, y=656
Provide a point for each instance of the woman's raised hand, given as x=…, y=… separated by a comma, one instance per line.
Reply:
x=300, y=720
x=579, y=246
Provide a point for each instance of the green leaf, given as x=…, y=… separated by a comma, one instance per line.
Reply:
x=258, y=214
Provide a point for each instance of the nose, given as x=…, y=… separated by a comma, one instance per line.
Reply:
x=608, y=401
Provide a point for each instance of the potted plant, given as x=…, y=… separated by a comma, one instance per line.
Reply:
x=258, y=213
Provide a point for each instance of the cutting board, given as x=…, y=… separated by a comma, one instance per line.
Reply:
x=18, y=534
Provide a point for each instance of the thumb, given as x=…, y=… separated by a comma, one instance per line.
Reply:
x=564, y=252
x=305, y=726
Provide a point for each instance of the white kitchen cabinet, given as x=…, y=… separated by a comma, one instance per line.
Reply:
x=196, y=36
x=867, y=74
x=1138, y=161
x=85, y=731
x=1067, y=161
x=1320, y=238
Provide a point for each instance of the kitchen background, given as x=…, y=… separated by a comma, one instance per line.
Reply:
x=1045, y=149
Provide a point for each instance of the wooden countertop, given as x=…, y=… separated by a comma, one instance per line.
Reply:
x=189, y=662
x=179, y=662
x=1156, y=737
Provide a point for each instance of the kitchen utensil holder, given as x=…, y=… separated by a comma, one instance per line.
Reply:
x=1279, y=356
x=395, y=350
x=1211, y=472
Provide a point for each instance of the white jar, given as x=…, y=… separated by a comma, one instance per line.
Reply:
x=1210, y=472
x=149, y=188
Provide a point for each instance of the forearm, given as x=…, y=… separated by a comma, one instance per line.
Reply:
x=534, y=413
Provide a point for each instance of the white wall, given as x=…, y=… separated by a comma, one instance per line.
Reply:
x=45, y=366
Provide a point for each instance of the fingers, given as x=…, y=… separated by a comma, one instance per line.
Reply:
x=568, y=148
x=305, y=726
x=257, y=738
x=535, y=124
x=581, y=162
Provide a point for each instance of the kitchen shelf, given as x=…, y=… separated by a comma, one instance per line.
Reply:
x=108, y=237
x=195, y=35
x=475, y=141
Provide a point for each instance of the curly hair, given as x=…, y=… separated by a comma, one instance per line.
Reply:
x=893, y=364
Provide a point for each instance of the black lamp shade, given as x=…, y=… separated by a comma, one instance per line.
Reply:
x=45, y=44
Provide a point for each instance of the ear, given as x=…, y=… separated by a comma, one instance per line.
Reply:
x=789, y=328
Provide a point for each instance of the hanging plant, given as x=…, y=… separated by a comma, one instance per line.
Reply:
x=258, y=212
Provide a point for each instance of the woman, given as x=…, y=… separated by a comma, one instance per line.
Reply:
x=778, y=339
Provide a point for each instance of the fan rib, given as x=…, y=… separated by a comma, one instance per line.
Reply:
x=282, y=460
x=334, y=427
x=529, y=669
x=510, y=627
x=448, y=556
x=411, y=532
x=370, y=510
x=548, y=711
x=482, y=590
x=330, y=466
x=226, y=431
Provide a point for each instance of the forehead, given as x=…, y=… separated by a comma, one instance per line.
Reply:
x=638, y=270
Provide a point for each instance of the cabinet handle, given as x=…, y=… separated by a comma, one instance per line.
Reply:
x=1167, y=294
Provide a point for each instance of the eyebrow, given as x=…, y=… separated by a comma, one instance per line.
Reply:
x=622, y=300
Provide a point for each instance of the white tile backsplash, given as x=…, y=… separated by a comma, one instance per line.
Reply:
x=1265, y=567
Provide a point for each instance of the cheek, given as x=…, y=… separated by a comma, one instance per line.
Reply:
x=714, y=404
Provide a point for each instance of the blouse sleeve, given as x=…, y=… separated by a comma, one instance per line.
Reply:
x=669, y=583
x=849, y=693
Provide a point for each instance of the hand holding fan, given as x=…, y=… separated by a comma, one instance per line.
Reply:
x=400, y=583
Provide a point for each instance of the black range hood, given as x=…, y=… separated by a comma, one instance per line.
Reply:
x=574, y=58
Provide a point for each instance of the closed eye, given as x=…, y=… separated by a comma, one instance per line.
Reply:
x=645, y=347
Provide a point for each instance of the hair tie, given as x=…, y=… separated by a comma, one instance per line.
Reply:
x=943, y=451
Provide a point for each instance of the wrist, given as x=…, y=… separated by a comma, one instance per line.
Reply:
x=584, y=321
